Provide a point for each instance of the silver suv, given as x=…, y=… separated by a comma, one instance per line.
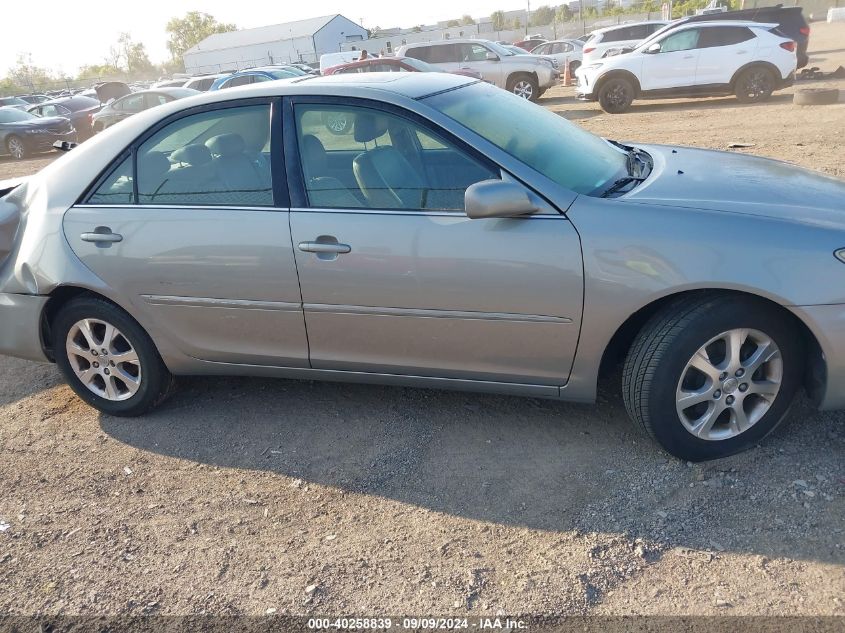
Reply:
x=527, y=76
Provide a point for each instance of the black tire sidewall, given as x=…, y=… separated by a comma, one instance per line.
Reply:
x=155, y=376
x=744, y=98
x=606, y=86
x=535, y=86
x=665, y=424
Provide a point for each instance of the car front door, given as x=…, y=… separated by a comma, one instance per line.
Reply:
x=674, y=65
x=396, y=279
x=198, y=249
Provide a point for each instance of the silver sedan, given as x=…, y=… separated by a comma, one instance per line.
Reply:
x=453, y=236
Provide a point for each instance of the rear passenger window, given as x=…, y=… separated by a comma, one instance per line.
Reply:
x=214, y=158
x=724, y=36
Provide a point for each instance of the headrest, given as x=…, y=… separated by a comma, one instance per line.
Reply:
x=194, y=155
x=369, y=126
x=313, y=151
x=226, y=144
x=153, y=164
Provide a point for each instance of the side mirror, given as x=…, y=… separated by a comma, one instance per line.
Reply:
x=497, y=199
x=491, y=57
x=654, y=48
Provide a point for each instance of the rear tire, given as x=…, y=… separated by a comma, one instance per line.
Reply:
x=616, y=95
x=524, y=86
x=108, y=359
x=754, y=85
x=683, y=356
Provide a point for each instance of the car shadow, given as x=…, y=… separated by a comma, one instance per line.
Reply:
x=545, y=465
x=23, y=378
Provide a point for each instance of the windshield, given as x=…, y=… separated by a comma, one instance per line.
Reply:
x=499, y=49
x=541, y=139
x=282, y=74
x=12, y=115
x=420, y=65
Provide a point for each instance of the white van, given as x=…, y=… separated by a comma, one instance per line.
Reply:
x=330, y=60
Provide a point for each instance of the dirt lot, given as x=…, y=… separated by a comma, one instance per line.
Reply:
x=241, y=496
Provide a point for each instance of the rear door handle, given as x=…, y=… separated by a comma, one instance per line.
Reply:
x=322, y=247
x=101, y=234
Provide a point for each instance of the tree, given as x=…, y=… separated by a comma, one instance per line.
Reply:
x=27, y=75
x=466, y=20
x=563, y=14
x=517, y=24
x=191, y=30
x=452, y=23
x=129, y=55
x=417, y=29
x=498, y=20
x=542, y=16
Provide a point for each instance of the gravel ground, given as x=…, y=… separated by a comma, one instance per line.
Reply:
x=240, y=496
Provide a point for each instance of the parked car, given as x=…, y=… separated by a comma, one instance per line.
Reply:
x=527, y=76
x=34, y=98
x=252, y=76
x=694, y=59
x=169, y=83
x=790, y=21
x=563, y=52
x=394, y=65
x=79, y=110
x=614, y=38
x=530, y=43
x=13, y=102
x=308, y=70
x=125, y=107
x=23, y=134
x=108, y=90
x=330, y=60
x=460, y=238
x=516, y=50
x=203, y=82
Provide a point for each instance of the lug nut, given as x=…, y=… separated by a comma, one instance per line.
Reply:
x=740, y=373
x=93, y=352
x=105, y=352
x=95, y=364
x=723, y=375
x=111, y=362
x=743, y=387
x=729, y=399
x=717, y=394
x=106, y=371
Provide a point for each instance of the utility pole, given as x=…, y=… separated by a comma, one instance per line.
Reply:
x=527, y=17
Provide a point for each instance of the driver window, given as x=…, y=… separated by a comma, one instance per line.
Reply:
x=683, y=41
x=355, y=157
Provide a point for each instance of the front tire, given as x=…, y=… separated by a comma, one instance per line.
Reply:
x=108, y=359
x=711, y=375
x=524, y=86
x=616, y=95
x=16, y=147
x=754, y=85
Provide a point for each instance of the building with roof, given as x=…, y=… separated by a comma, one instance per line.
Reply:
x=299, y=41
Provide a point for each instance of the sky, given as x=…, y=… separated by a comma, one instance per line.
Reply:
x=63, y=36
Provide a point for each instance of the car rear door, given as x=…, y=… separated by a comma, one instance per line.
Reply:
x=197, y=247
x=396, y=279
x=724, y=50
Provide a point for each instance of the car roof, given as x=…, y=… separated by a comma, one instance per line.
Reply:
x=71, y=100
x=171, y=91
x=715, y=23
x=626, y=25
x=449, y=41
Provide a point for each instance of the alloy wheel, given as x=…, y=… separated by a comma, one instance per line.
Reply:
x=758, y=84
x=337, y=122
x=524, y=89
x=103, y=359
x=16, y=148
x=729, y=384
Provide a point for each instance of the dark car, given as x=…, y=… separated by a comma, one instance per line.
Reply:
x=530, y=43
x=13, y=102
x=203, y=82
x=22, y=133
x=123, y=108
x=78, y=109
x=394, y=65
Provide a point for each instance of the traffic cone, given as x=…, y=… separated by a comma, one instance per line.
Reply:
x=567, y=74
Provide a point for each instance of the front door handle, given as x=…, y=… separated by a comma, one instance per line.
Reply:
x=322, y=247
x=101, y=235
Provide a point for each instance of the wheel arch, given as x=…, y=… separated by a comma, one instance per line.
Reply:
x=619, y=345
x=623, y=74
x=761, y=63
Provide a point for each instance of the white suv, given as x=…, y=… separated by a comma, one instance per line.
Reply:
x=527, y=76
x=696, y=59
x=612, y=38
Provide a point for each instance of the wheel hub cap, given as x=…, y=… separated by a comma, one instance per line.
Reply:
x=729, y=384
x=103, y=359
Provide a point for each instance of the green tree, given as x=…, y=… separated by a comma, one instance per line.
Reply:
x=183, y=33
x=542, y=16
x=417, y=29
x=498, y=20
x=563, y=14
x=26, y=74
x=466, y=20
x=452, y=23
